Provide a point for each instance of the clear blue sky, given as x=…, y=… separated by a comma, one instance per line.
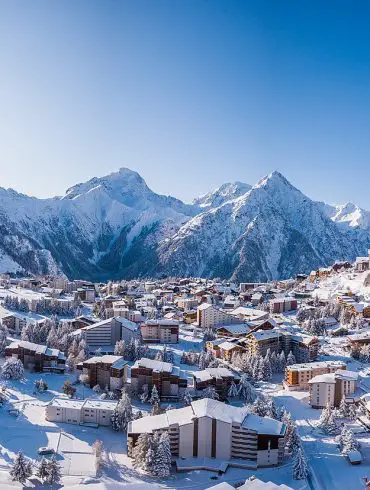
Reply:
x=190, y=94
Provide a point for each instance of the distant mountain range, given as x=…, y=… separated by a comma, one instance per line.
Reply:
x=115, y=227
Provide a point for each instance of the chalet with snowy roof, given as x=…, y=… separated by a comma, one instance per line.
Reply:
x=162, y=331
x=297, y=376
x=330, y=388
x=219, y=378
x=252, y=483
x=36, y=357
x=224, y=348
x=250, y=314
x=359, y=339
x=210, y=429
x=107, y=371
x=169, y=380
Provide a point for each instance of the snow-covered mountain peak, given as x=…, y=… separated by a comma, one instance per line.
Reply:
x=224, y=193
x=351, y=215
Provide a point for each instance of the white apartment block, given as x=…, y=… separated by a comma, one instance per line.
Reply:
x=210, y=429
x=161, y=331
x=208, y=316
x=107, y=332
x=331, y=388
x=65, y=410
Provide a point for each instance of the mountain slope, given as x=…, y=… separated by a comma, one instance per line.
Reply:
x=270, y=232
x=115, y=226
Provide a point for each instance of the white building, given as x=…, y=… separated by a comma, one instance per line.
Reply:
x=65, y=410
x=210, y=429
x=107, y=332
x=208, y=316
x=330, y=388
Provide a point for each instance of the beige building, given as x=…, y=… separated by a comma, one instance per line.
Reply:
x=297, y=376
x=161, y=331
x=210, y=429
x=331, y=388
x=65, y=410
x=208, y=316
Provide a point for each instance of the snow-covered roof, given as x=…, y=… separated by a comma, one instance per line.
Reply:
x=257, y=484
x=316, y=365
x=263, y=425
x=237, y=328
x=346, y=375
x=164, y=322
x=116, y=361
x=206, y=407
x=323, y=378
x=158, y=366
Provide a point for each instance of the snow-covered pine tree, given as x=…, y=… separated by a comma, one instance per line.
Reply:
x=259, y=406
x=210, y=392
x=233, y=390
x=349, y=443
x=282, y=362
x=12, y=369
x=154, y=396
x=42, y=469
x=290, y=360
x=162, y=456
x=246, y=391
x=21, y=469
x=54, y=473
x=326, y=421
x=119, y=348
x=271, y=409
x=187, y=397
x=144, y=393
x=300, y=467
x=3, y=338
x=140, y=452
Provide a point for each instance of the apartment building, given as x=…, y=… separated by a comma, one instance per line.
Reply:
x=106, y=371
x=219, y=378
x=279, y=305
x=14, y=322
x=107, y=332
x=36, y=357
x=210, y=429
x=69, y=411
x=161, y=331
x=297, y=376
x=169, y=380
x=208, y=316
x=304, y=347
x=331, y=388
x=187, y=304
x=224, y=349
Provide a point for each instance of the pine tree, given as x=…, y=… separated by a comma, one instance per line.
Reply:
x=271, y=409
x=140, y=452
x=210, y=392
x=290, y=359
x=54, y=472
x=343, y=408
x=233, y=390
x=259, y=406
x=144, y=393
x=282, y=362
x=349, y=443
x=162, y=457
x=246, y=391
x=300, y=467
x=3, y=338
x=42, y=469
x=326, y=421
x=21, y=469
x=154, y=396
x=187, y=397
x=119, y=348
x=12, y=369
